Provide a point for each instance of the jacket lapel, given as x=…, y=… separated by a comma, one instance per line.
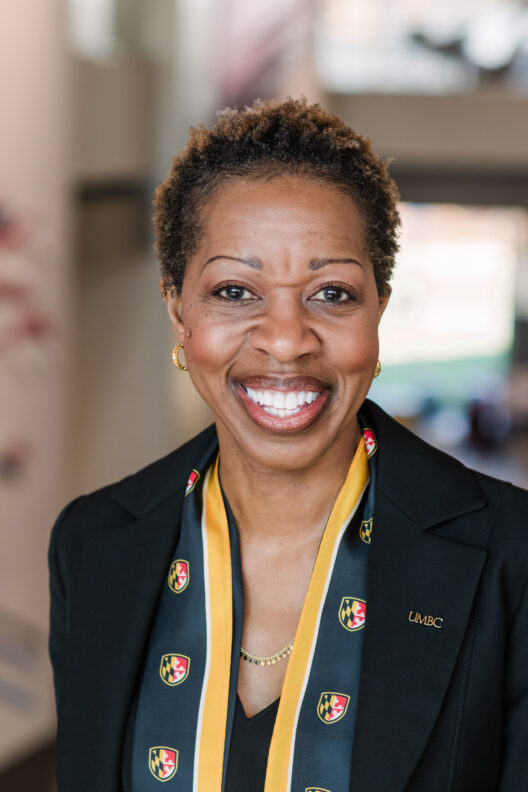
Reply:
x=407, y=660
x=406, y=664
x=122, y=572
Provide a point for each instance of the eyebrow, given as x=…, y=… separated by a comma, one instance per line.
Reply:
x=317, y=264
x=256, y=263
x=253, y=262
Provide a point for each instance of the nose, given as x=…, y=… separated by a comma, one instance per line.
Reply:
x=285, y=331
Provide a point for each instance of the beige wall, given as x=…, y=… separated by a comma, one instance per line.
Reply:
x=33, y=369
x=35, y=332
x=485, y=130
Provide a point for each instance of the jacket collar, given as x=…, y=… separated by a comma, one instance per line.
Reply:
x=427, y=485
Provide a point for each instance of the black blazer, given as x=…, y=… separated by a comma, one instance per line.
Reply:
x=443, y=705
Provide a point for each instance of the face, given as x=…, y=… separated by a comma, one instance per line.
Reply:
x=279, y=316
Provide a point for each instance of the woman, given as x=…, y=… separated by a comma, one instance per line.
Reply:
x=213, y=607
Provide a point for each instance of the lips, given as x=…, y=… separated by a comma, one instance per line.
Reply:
x=283, y=405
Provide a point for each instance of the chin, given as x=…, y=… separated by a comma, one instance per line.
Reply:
x=290, y=450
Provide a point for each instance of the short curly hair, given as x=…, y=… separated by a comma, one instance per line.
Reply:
x=265, y=140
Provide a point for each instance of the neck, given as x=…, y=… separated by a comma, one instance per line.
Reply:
x=279, y=507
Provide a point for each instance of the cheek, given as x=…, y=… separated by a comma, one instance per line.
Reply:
x=211, y=346
x=355, y=349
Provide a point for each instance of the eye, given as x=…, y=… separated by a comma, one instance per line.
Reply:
x=233, y=292
x=333, y=293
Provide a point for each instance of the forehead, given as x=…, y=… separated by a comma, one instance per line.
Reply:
x=281, y=210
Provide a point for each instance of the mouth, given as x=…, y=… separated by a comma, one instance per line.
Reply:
x=283, y=405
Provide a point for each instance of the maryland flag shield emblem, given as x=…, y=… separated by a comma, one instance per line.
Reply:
x=371, y=444
x=178, y=575
x=316, y=789
x=163, y=762
x=332, y=706
x=365, y=530
x=193, y=478
x=174, y=669
x=352, y=613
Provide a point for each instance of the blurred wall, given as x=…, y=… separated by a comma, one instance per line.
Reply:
x=35, y=347
x=466, y=148
x=131, y=114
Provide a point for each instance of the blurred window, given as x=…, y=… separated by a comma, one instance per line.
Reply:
x=448, y=329
x=91, y=27
x=390, y=46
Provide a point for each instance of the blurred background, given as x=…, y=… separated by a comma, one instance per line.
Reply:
x=96, y=96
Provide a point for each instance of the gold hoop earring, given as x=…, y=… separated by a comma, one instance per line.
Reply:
x=377, y=370
x=176, y=359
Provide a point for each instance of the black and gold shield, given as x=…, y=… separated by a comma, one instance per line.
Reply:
x=174, y=669
x=178, y=579
x=332, y=706
x=365, y=530
x=352, y=613
x=163, y=762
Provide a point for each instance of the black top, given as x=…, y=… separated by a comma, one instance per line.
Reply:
x=248, y=753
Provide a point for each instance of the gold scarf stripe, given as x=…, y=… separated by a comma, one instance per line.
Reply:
x=280, y=759
x=212, y=718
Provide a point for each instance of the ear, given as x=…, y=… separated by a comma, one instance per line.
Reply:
x=173, y=303
x=383, y=301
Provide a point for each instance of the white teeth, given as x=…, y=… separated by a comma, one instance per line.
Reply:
x=282, y=413
x=282, y=403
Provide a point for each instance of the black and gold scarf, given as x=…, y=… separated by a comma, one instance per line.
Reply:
x=188, y=692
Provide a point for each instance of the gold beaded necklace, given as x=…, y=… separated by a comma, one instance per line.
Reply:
x=271, y=659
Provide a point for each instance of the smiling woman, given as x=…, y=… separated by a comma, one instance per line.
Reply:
x=242, y=656
x=278, y=281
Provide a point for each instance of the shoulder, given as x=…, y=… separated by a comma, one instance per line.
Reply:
x=452, y=501
x=121, y=502
x=507, y=544
x=434, y=487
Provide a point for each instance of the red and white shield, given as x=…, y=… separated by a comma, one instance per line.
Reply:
x=332, y=706
x=370, y=441
x=178, y=575
x=174, y=669
x=163, y=762
x=191, y=483
x=182, y=572
x=352, y=613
